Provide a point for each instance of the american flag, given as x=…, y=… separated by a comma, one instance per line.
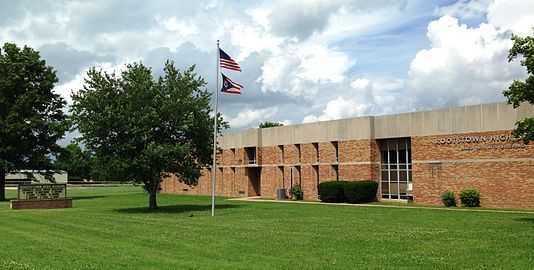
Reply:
x=228, y=86
x=227, y=61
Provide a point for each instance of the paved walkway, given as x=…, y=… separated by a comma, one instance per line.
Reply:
x=259, y=199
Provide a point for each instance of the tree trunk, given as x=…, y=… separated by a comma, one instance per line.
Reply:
x=2, y=185
x=152, y=190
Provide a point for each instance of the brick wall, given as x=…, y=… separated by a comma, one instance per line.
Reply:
x=41, y=204
x=276, y=172
x=504, y=175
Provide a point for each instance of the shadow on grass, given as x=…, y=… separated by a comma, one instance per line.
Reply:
x=174, y=209
x=528, y=219
x=77, y=198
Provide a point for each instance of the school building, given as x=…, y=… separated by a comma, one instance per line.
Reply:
x=414, y=155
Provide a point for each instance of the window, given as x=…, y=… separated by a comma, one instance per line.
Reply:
x=298, y=152
x=281, y=153
x=233, y=180
x=282, y=177
x=233, y=155
x=335, y=144
x=395, y=167
x=316, y=147
x=251, y=155
x=316, y=171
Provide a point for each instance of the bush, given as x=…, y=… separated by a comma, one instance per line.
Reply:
x=296, y=192
x=332, y=191
x=470, y=197
x=360, y=191
x=448, y=198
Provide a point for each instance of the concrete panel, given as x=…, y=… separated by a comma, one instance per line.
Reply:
x=361, y=127
x=243, y=138
x=477, y=118
x=506, y=116
x=403, y=125
x=310, y=132
x=473, y=117
x=429, y=123
x=458, y=120
x=380, y=127
x=524, y=111
x=273, y=136
x=443, y=121
x=416, y=124
x=391, y=126
x=332, y=130
x=490, y=116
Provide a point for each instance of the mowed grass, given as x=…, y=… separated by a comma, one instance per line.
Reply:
x=110, y=228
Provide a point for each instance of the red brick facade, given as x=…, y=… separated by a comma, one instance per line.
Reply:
x=502, y=170
x=282, y=166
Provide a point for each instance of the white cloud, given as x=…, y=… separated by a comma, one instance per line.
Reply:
x=249, y=116
x=360, y=83
x=252, y=39
x=514, y=15
x=464, y=65
x=337, y=109
x=301, y=18
x=465, y=9
x=184, y=29
x=65, y=89
x=300, y=70
x=320, y=64
x=286, y=122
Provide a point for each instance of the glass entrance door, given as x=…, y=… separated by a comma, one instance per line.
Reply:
x=395, y=168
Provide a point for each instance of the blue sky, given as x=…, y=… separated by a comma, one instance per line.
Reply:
x=302, y=61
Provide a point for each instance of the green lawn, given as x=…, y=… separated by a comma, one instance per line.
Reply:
x=109, y=228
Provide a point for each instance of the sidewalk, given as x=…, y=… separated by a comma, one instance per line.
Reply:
x=259, y=199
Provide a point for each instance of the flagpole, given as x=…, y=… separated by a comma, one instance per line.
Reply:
x=214, y=167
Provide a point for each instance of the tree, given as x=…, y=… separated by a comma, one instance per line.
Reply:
x=268, y=124
x=519, y=91
x=31, y=116
x=144, y=130
x=78, y=163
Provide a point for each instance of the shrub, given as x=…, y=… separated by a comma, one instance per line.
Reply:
x=470, y=197
x=331, y=191
x=296, y=192
x=360, y=191
x=448, y=198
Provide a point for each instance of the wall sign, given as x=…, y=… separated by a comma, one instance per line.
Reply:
x=481, y=142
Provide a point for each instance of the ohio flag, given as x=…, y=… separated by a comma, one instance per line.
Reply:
x=228, y=86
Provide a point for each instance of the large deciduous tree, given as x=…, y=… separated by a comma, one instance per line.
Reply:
x=520, y=91
x=31, y=116
x=145, y=129
x=77, y=162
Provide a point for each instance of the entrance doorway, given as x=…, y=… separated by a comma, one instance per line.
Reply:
x=254, y=182
x=396, y=168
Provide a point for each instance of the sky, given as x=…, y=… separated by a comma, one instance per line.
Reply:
x=302, y=60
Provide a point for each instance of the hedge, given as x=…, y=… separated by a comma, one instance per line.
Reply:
x=360, y=191
x=347, y=191
x=331, y=191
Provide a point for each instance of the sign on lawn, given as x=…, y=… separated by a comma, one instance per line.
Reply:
x=41, y=191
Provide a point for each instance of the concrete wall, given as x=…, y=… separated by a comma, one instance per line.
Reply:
x=59, y=178
x=475, y=118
